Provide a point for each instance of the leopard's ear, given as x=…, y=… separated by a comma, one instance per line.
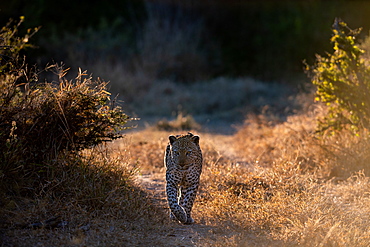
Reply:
x=196, y=139
x=172, y=139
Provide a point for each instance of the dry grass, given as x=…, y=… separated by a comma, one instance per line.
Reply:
x=81, y=205
x=276, y=183
x=273, y=183
x=285, y=185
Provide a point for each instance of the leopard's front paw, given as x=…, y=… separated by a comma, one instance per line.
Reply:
x=189, y=221
x=179, y=214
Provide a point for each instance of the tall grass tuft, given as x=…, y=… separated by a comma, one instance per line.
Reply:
x=42, y=123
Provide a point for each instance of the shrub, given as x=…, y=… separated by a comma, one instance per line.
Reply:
x=343, y=83
x=40, y=121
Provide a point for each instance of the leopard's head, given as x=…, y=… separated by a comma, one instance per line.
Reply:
x=184, y=148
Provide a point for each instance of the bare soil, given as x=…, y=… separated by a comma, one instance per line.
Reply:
x=177, y=234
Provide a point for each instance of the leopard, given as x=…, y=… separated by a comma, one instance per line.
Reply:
x=183, y=162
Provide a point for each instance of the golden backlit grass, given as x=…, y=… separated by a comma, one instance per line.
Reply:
x=290, y=185
x=272, y=183
x=277, y=180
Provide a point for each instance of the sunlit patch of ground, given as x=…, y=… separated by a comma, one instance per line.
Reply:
x=272, y=183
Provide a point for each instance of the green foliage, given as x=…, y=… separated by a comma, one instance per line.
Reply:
x=343, y=83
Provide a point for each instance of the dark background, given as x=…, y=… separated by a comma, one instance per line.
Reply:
x=264, y=39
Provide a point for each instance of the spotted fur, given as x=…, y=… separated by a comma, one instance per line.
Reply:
x=183, y=161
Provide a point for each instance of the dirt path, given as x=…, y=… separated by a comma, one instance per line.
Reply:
x=200, y=233
x=177, y=235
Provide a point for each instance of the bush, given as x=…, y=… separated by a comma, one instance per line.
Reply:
x=343, y=83
x=39, y=122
